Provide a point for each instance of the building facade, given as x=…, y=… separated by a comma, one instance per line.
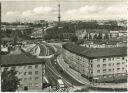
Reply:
x=102, y=64
x=30, y=70
x=31, y=76
x=110, y=68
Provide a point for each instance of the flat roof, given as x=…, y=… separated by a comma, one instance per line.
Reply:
x=20, y=59
x=96, y=52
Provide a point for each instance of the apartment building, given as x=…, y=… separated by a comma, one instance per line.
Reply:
x=30, y=70
x=105, y=64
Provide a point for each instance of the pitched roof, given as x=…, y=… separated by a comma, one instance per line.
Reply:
x=96, y=52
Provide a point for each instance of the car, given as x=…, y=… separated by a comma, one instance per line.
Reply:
x=45, y=85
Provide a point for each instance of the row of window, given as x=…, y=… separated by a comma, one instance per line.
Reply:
x=29, y=73
x=74, y=56
x=30, y=67
x=110, y=59
x=104, y=70
x=108, y=76
x=30, y=78
x=104, y=65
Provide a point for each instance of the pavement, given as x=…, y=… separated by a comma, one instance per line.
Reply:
x=76, y=75
x=111, y=85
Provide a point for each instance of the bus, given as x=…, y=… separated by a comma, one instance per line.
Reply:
x=60, y=84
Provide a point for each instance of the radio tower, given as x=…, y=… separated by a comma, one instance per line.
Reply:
x=59, y=13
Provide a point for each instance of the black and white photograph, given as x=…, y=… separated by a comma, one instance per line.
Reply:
x=63, y=46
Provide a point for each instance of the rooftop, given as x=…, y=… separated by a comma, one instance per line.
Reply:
x=19, y=59
x=97, y=31
x=95, y=52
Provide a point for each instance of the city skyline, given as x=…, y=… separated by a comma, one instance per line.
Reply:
x=70, y=10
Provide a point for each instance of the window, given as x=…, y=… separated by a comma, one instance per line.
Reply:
x=25, y=73
x=36, y=78
x=104, y=59
x=30, y=73
x=118, y=64
x=104, y=65
x=118, y=68
x=122, y=58
x=109, y=70
x=122, y=62
x=118, y=57
x=91, y=61
x=98, y=65
x=20, y=73
x=24, y=67
x=36, y=72
x=104, y=70
x=109, y=59
x=30, y=84
x=104, y=76
x=98, y=71
x=109, y=64
x=36, y=66
x=30, y=78
x=29, y=67
x=98, y=59
x=20, y=79
x=123, y=68
x=91, y=65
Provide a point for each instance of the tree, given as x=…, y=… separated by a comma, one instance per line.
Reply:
x=99, y=36
x=9, y=80
x=106, y=37
x=90, y=37
x=95, y=37
x=73, y=38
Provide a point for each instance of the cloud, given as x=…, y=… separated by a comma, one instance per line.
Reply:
x=80, y=13
x=42, y=10
x=96, y=12
x=27, y=13
x=38, y=11
x=34, y=14
x=12, y=13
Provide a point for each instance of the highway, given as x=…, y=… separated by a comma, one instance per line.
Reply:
x=51, y=73
x=43, y=50
x=55, y=71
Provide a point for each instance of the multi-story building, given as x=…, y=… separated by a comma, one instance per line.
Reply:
x=92, y=33
x=105, y=64
x=38, y=33
x=30, y=70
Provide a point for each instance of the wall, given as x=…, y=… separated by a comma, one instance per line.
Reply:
x=111, y=67
x=30, y=75
x=78, y=63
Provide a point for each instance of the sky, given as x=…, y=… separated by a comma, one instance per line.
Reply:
x=30, y=10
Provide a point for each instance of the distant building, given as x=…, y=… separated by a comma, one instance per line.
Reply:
x=91, y=33
x=4, y=48
x=122, y=23
x=105, y=64
x=114, y=34
x=81, y=33
x=18, y=27
x=38, y=33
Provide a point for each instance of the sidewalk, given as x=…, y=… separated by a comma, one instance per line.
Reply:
x=76, y=75
x=111, y=85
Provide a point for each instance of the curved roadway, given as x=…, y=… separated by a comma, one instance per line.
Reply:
x=43, y=50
